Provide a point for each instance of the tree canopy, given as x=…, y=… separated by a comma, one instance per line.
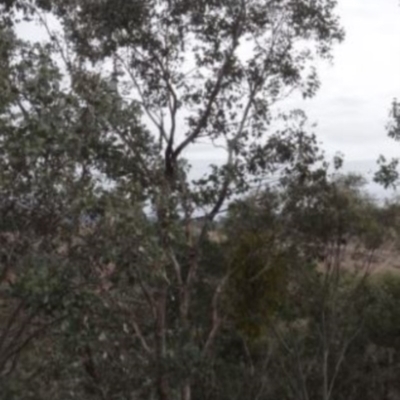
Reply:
x=121, y=275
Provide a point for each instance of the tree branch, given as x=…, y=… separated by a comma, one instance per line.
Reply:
x=217, y=87
x=216, y=320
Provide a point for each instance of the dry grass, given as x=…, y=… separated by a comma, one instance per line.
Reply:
x=355, y=258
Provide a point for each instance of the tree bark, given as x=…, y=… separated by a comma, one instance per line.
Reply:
x=161, y=381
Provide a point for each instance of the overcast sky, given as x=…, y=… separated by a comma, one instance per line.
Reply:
x=353, y=104
x=351, y=108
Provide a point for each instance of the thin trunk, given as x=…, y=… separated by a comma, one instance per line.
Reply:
x=325, y=373
x=186, y=393
x=161, y=381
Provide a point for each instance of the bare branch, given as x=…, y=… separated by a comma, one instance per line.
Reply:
x=216, y=89
x=139, y=334
x=157, y=121
x=176, y=265
x=216, y=320
x=340, y=362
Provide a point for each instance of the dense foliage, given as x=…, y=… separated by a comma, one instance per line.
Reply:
x=122, y=276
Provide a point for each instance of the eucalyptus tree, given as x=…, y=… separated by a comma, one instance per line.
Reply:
x=100, y=120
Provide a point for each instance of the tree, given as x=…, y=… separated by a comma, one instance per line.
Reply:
x=301, y=258
x=99, y=120
x=387, y=175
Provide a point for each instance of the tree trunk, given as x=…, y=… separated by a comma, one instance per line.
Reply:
x=186, y=393
x=161, y=381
